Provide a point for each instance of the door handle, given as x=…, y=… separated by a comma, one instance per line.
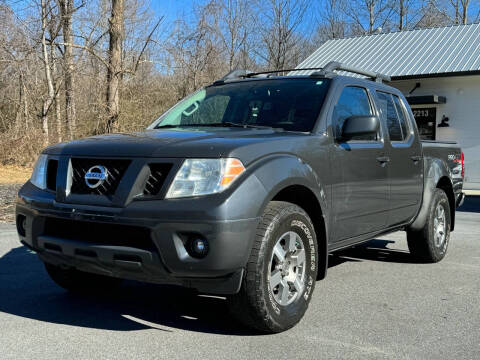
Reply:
x=383, y=159
x=416, y=158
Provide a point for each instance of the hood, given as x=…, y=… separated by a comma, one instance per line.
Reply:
x=211, y=142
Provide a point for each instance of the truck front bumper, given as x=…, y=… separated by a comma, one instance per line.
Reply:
x=123, y=243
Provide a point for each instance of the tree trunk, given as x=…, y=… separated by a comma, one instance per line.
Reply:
x=114, y=72
x=401, y=15
x=47, y=103
x=25, y=101
x=457, y=12
x=66, y=11
x=465, y=4
x=58, y=117
x=371, y=15
x=18, y=118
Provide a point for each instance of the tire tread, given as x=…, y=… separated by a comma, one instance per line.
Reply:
x=420, y=244
x=249, y=306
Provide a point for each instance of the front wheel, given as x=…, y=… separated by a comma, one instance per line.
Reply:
x=430, y=243
x=280, y=275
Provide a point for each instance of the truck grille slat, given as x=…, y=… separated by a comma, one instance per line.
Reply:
x=52, y=169
x=158, y=174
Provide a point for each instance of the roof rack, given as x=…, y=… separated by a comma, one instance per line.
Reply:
x=232, y=75
x=244, y=74
x=253, y=74
x=335, y=66
x=327, y=70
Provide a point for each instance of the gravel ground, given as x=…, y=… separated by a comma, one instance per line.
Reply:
x=8, y=194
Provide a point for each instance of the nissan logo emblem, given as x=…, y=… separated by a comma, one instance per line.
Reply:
x=96, y=176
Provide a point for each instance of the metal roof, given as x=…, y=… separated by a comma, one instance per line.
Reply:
x=406, y=54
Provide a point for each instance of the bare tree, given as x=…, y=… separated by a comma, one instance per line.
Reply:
x=23, y=106
x=114, y=70
x=56, y=88
x=54, y=27
x=433, y=14
x=461, y=11
x=332, y=24
x=231, y=24
x=279, y=33
x=34, y=70
x=115, y=64
x=456, y=7
x=50, y=97
x=105, y=67
x=407, y=12
x=465, y=4
x=370, y=15
x=66, y=10
x=401, y=13
x=196, y=55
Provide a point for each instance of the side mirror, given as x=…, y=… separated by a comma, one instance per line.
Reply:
x=360, y=126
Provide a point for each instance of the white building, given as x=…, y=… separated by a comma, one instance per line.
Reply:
x=437, y=69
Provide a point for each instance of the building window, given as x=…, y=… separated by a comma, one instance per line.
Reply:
x=426, y=119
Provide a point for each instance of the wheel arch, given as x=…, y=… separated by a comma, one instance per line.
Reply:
x=289, y=178
x=436, y=176
x=305, y=198
x=445, y=184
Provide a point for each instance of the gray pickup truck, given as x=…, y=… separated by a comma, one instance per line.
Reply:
x=242, y=190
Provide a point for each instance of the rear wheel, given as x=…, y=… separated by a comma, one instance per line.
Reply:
x=281, y=271
x=79, y=281
x=430, y=243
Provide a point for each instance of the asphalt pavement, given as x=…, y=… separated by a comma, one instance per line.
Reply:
x=374, y=304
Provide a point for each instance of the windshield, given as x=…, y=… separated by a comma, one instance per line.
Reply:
x=289, y=104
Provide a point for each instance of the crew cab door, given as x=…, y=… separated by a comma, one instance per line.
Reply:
x=406, y=166
x=359, y=171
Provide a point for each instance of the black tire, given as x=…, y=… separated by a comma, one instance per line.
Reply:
x=81, y=282
x=422, y=244
x=255, y=305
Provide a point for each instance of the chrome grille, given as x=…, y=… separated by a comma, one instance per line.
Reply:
x=115, y=169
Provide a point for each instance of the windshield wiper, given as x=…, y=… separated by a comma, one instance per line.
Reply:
x=166, y=126
x=240, y=125
x=221, y=124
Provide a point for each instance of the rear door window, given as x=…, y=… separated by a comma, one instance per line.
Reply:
x=401, y=117
x=393, y=116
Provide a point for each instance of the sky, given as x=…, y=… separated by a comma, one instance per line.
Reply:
x=171, y=8
x=168, y=8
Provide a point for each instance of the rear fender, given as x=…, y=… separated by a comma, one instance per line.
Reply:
x=435, y=172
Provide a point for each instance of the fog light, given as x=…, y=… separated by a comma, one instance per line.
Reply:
x=198, y=248
x=22, y=225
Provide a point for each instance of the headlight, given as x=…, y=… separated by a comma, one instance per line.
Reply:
x=39, y=174
x=204, y=176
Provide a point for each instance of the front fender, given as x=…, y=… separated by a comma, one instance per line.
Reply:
x=281, y=171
